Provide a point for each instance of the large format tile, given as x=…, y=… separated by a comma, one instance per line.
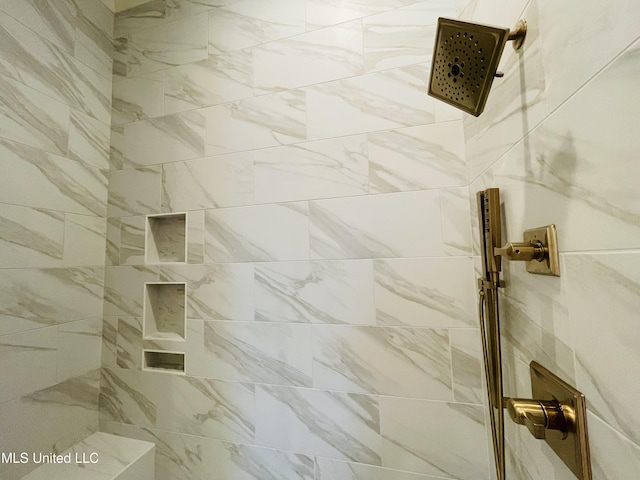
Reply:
x=335, y=167
x=315, y=292
x=257, y=233
x=79, y=346
x=612, y=455
x=394, y=225
x=328, y=469
x=84, y=240
x=405, y=362
x=425, y=292
x=315, y=57
x=134, y=191
x=137, y=98
x=94, y=34
x=123, y=289
x=322, y=13
x=89, y=140
x=467, y=365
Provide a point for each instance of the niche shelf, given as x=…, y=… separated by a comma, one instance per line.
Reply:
x=166, y=238
x=160, y=361
x=164, y=311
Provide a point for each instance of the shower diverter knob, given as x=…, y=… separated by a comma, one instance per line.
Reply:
x=539, y=249
x=537, y=415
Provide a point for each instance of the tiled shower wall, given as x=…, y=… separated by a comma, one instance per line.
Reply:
x=331, y=326
x=55, y=112
x=560, y=138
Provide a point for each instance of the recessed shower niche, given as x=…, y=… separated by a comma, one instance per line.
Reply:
x=166, y=238
x=164, y=316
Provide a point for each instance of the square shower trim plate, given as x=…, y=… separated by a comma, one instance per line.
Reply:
x=573, y=446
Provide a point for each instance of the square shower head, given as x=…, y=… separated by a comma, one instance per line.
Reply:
x=465, y=60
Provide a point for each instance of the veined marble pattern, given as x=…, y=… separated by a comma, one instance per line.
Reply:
x=388, y=361
x=217, y=79
x=255, y=352
x=315, y=57
x=175, y=457
x=54, y=182
x=328, y=469
x=54, y=295
x=89, y=140
x=84, y=240
x=93, y=39
x=32, y=118
x=215, y=292
x=603, y=294
x=612, y=455
x=79, y=346
x=326, y=168
x=425, y=292
x=165, y=46
x=28, y=362
x=109, y=340
x=329, y=424
x=257, y=233
x=403, y=36
x=246, y=23
x=123, y=289
x=466, y=365
x=395, y=225
x=419, y=435
x=132, y=240
x=112, y=254
x=164, y=139
x=315, y=292
x=129, y=343
x=116, y=150
x=259, y=122
x=195, y=237
x=321, y=13
x=137, y=98
x=134, y=191
x=378, y=101
x=30, y=237
x=417, y=158
x=456, y=227
x=222, y=181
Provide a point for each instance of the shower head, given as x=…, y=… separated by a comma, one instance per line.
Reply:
x=465, y=60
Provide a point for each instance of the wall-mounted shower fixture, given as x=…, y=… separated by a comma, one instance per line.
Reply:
x=556, y=411
x=465, y=60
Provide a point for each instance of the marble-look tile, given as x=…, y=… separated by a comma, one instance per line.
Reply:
x=417, y=158
x=322, y=13
x=195, y=237
x=315, y=57
x=175, y=457
x=53, y=20
x=89, y=140
x=217, y=79
x=259, y=122
x=116, y=148
x=54, y=182
x=84, y=240
x=28, y=362
x=425, y=292
x=112, y=254
x=246, y=23
x=257, y=233
x=132, y=238
x=379, y=101
x=456, y=226
x=79, y=346
x=134, y=191
x=557, y=175
x=30, y=237
x=466, y=365
x=612, y=455
x=54, y=296
x=403, y=36
x=109, y=341
x=338, y=292
x=328, y=469
x=419, y=435
x=93, y=38
x=123, y=289
x=215, y=292
x=32, y=118
x=160, y=12
x=393, y=225
x=221, y=181
x=589, y=41
x=137, y=98
x=164, y=46
x=603, y=297
x=405, y=362
x=129, y=343
x=164, y=139
x=259, y=352
x=326, y=168
x=328, y=424
x=209, y=408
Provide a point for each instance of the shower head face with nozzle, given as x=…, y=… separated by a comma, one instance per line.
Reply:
x=465, y=60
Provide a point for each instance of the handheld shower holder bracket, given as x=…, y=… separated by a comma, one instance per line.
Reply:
x=539, y=249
